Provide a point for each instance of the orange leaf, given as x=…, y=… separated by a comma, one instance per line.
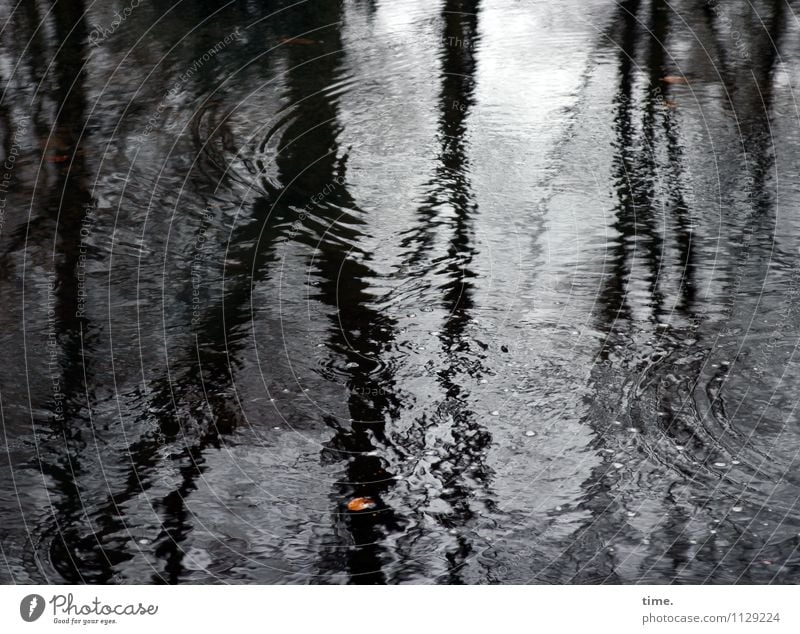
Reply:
x=361, y=504
x=675, y=79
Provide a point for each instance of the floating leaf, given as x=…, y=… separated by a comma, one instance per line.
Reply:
x=361, y=504
x=298, y=41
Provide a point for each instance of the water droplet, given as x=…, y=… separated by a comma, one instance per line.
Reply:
x=530, y=433
x=351, y=365
x=720, y=464
x=276, y=428
x=633, y=430
x=196, y=559
x=631, y=514
x=618, y=465
x=736, y=509
x=144, y=541
x=735, y=462
x=495, y=413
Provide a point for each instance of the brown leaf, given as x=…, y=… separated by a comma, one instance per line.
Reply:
x=298, y=41
x=674, y=79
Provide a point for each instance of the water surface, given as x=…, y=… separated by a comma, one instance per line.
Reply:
x=523, y=273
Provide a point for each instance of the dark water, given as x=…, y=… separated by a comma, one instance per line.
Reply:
x=522, y=273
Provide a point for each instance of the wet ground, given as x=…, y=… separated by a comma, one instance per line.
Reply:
x=522, y=274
